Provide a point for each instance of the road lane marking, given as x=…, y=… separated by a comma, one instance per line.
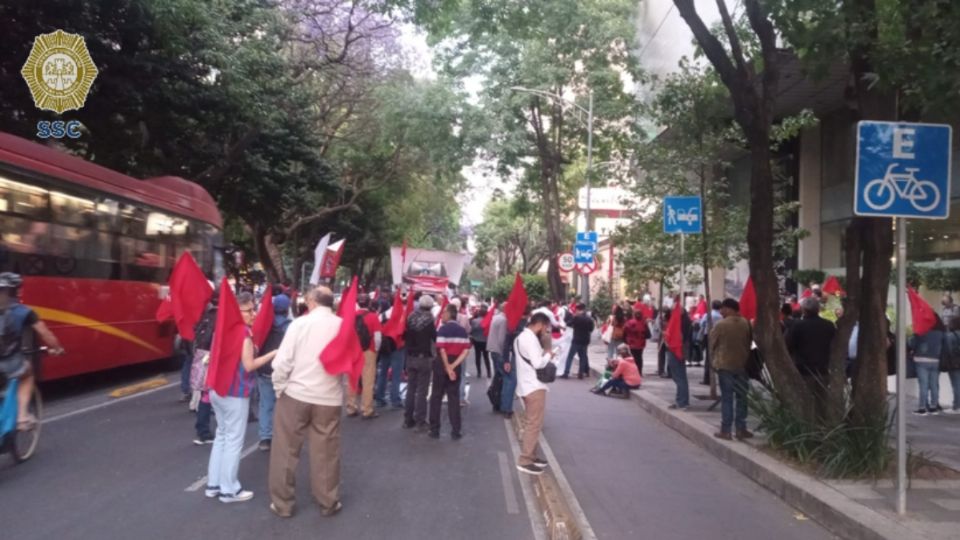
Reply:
x=136, y=388
x=107, y=403
x=586, y=531
x=530, y=501
x=508, y=492
x=202, y=481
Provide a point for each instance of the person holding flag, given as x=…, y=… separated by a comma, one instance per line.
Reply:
x=231, y=378
x=392, y=351
x=926, y=343
x=309, y=403
x=677, y=338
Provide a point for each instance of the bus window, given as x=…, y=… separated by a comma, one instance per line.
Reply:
x=133, y=221
x=71, y=210
x=23, y=199
x=108, y=212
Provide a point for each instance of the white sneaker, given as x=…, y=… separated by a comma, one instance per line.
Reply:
x=951, y=411
x=211, y=493
x=241, y=496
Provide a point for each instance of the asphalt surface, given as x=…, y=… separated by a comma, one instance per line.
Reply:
x=122, y=471
x=636, y=478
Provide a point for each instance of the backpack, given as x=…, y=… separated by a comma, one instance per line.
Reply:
x=272, y=343
x=203, y=332
x=362, y=331
x=11, y=329
x=568, y=318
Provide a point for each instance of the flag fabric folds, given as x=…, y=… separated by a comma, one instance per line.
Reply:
x=443, y=306
x=807, y=293
x=924, y=318
x=331, y=260
x=488, y=319
x=748, y=301
x=832, y=286
x=516, y=303
x=344, y=354
x=264, y=321
x=394, y=326
x=318, y=254
x=189, y=294
x=674, y=333
x=228, y=336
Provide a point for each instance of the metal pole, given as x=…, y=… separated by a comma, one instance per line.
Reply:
x=901, y=366
x=586, y=280
x=682, y=271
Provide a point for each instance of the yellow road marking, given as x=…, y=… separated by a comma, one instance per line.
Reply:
x=138, y=387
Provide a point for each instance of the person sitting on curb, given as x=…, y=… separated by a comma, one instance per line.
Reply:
x=626, y=375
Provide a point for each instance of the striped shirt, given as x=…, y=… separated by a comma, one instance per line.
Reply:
x=243, y=380
x=451, y=337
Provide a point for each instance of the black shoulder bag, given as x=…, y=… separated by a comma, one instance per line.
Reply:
x=546, y=374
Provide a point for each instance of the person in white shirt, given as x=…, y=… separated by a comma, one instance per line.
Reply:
x=309, y=400
x=530, y=357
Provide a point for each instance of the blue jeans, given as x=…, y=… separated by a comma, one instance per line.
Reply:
x=619, y=384
x=612, y=348
x=203, y=420
x=928, y=379
x=509, y=382
x=733, y=386
x=581, y=350
x=186, y=361
x=227, y=443
x=268, y=400
x=955, y=383
x=678, y=372
x=387, y=362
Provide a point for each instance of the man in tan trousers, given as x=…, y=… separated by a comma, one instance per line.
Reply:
x=530, y=357
x=309, y=400
x=368, y=378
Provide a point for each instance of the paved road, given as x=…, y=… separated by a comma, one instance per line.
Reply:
x=121, y=472
x=635, y=478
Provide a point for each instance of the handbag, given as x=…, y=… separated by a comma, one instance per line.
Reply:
x=606, y=333
x=198, y=370
x=546, y=374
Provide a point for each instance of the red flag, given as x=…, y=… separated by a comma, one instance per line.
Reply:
x=924, y=319
x=344, y=354
x=807, y=293
x=488, y=319
x=832, y=286
x=228, y=336
x=331, y=260
x=516, y=303
x=748, y=301
x=701, y=309
x=189, y=294
x=443, y=306
x=264, y=321
x=391, y=328
x=673, y=336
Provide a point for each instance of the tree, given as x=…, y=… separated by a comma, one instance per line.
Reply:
x=567, y=47
x=510, y=238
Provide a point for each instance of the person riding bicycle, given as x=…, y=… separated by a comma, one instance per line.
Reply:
x=14, y=319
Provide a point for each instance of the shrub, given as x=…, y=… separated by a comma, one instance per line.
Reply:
x=536, y=287
x=806, y=277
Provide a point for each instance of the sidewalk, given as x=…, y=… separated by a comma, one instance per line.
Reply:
x=933, y=507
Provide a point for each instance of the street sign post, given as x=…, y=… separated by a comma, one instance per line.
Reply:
x=903, y=171
x=682, y=215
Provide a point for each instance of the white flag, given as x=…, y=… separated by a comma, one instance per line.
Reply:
x=318, y=254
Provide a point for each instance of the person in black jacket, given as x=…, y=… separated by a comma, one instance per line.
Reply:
x=809, y=341
x=421, y=337
x=583, y=326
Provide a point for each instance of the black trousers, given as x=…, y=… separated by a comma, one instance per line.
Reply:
x=481, y=354
x=418, y=382
x=443, y=386
x=661, y=359
x=638, y=358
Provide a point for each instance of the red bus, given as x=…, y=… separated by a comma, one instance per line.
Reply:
x=95, y=248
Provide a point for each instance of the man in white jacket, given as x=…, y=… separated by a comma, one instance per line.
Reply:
x=530, y=357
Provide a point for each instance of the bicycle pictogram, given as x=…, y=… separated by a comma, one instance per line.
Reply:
x=881, y=193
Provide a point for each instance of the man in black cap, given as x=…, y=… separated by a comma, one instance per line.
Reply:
x=730, y=342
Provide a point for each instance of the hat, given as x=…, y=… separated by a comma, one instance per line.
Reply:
x=426, y=302
x=281, y=303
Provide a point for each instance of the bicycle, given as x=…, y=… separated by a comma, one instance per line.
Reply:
x=880, y=192
x=20, y=444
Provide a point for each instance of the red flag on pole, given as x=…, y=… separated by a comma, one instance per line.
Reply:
x=516, y=303
x=443, y=306
x=331, y=260
x=189, y=294
x=344, y=354
x=748, y=301
x=832, y=286
x=924, y=318
x=264, y=321
x=807, y=293
x=673, y=336
x=488, y=319
x=227, y=347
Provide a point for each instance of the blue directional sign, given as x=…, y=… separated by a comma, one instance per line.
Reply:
x=682, y=214
x=903, y=170
x=583, y=252
x=588, y=237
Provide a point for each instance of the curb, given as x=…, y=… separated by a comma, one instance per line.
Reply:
x=836, y=512
x=561, y=521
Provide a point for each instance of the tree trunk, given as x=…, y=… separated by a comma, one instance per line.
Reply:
x=263, y=247
x=839, y=351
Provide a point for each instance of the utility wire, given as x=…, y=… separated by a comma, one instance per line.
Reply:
x=655, y=32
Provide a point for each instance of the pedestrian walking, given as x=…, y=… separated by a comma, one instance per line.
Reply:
x=635, y=334
x=362, y=403
x=453, y=346
x=479, y=342
x=625, y=376
x=232, y=410
x=496, y=343
x=809, y=342
x=531, y=357
x=730, y=342
x=927, y=349
x=309, y=406
x=617, y=321
x=950, y=361
x=583, y=326
x=676, y=342
x=268, y=398
x=420, y=336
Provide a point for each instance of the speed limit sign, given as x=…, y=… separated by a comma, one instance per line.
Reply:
x=566, y=262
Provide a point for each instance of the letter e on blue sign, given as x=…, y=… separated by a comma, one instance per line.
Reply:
x=903, y=170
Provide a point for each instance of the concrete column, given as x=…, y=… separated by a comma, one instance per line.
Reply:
x=808, y=256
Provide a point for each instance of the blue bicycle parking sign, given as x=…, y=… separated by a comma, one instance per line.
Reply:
x=903, y=170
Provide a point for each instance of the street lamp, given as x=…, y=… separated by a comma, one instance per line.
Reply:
x=585, y=292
